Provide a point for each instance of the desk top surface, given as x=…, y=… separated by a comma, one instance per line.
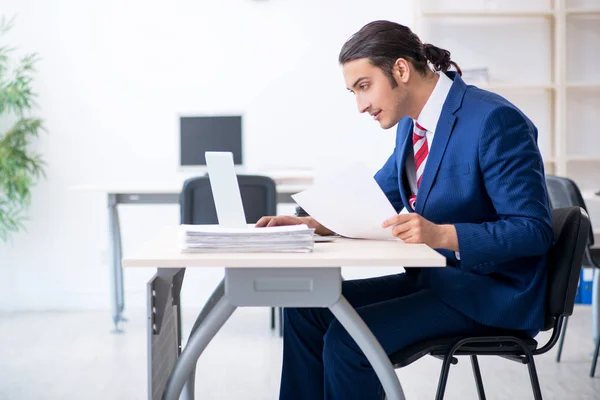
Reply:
x=175, y=188
x=164, y=251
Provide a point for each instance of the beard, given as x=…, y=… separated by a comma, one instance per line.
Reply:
x=399, y=110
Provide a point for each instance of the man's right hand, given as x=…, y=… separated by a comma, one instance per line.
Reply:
x=290, y=220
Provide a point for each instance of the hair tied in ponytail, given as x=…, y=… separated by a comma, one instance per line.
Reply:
x=439, y=58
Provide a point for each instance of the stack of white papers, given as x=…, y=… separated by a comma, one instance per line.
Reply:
x=217, y=239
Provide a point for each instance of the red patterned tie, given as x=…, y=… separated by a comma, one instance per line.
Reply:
x=421, y=151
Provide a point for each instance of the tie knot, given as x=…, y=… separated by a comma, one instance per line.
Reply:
x=419, y=131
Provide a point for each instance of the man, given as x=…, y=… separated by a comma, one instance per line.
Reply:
x=467, y=167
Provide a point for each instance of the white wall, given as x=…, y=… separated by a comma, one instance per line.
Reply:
x=113, y=78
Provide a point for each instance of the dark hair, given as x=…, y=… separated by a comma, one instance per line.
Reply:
x=383, y=42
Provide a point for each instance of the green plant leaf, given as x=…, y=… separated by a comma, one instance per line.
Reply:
x=20, y=167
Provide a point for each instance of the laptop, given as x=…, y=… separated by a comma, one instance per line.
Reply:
x=226, y=191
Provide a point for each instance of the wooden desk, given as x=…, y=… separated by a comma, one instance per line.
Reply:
x=262, y=280
x=167, y=193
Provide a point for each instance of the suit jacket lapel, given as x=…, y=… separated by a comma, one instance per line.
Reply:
x=443, y=131
x=438, y=147
x=405, y=151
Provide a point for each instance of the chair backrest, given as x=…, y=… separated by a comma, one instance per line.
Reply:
x=563, y=192
x=571, y=227
x=259, y=196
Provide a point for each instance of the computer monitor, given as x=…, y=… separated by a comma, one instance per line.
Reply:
x=199, y=134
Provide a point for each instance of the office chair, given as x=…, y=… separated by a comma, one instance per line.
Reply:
x=259, y=196
x=571, y=228
x=563, y=192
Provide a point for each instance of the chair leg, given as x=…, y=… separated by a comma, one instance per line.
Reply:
x=595, y=358
x=477, y=374
x=535, y=383
x=444, y=376
x=562, y=339
x=272, y=318
x=280, y=321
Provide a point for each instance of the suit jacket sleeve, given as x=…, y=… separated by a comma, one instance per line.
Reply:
x=387, y=178
x=513, y=176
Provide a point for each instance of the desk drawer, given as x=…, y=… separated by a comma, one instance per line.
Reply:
x=284, y=287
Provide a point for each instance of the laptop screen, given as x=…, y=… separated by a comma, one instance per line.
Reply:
x=225, y=189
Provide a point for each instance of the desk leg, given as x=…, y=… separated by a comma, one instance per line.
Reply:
x=213, y=321
x=116, y=272
x=219, y=292
x=367, y=342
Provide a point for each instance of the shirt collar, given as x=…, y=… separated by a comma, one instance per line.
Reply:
x=430, y=114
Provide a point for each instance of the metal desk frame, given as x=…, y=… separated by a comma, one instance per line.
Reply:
x=171, y=370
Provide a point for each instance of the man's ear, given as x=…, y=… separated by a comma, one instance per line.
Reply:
x=401, y=70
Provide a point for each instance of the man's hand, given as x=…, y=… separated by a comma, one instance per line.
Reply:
x=290, y=220
x=412, y=228
x=280, y=221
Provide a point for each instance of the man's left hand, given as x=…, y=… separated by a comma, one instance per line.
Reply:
x=413, y=228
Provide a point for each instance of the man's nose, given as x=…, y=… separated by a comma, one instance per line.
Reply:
x=363, y=106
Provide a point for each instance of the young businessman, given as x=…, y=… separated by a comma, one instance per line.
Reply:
x=467, y=167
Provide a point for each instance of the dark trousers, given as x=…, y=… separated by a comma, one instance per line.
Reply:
x=320, y=359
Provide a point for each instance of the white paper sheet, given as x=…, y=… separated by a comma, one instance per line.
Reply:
x=351, y=204
x=249, y=230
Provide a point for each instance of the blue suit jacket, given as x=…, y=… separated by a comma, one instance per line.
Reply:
x=484, y=175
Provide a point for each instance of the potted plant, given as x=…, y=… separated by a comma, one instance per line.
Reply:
x=20, y=167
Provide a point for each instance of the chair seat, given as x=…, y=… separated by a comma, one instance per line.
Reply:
x=441, y=346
